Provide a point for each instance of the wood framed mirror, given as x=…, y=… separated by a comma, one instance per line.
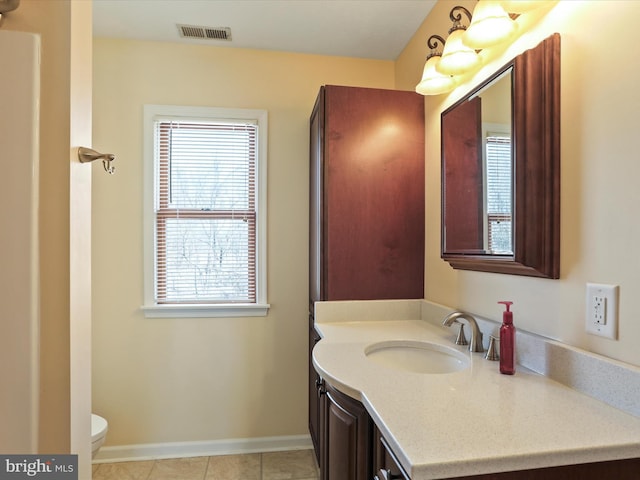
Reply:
x=513, y=228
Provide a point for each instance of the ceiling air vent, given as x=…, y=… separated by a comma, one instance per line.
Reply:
x=210, y=33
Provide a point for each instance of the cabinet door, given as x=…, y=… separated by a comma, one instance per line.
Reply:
x=317, y=275
x=315, y=386
x=347, y=438
x=372, y=194
x=385, y=464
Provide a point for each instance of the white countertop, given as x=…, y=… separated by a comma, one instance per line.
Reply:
x=469, y=422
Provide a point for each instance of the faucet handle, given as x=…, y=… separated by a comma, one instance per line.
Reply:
x=461, y=339
x=492, y=351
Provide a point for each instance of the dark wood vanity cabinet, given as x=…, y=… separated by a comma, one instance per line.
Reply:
x=340, y=426
x=345, y=437
x=316, y=389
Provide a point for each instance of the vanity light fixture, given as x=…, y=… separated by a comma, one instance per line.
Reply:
x=490, y=25
x=434, y=82
x=458, y=58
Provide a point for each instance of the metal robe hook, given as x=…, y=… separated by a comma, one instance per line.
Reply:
x=106, y=163
x=86, y=155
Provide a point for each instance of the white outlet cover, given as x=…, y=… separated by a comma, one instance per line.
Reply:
x=598, y=320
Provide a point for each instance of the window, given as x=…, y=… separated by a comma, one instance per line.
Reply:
x=205, y=212
x=499, y=196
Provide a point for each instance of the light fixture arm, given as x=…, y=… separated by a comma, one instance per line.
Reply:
x=456, y=17
x=432, y=43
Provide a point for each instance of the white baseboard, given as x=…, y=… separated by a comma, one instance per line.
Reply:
x=153, y=451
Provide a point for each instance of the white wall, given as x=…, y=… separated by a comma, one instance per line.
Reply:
x=600, y=100
x=181, y=380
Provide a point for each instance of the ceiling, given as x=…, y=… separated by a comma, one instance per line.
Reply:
x=375, y=29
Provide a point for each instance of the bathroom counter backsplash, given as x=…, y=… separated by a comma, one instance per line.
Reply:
x=610, y=381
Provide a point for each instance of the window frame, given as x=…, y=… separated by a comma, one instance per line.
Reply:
x=488, y=130
x=151, y=308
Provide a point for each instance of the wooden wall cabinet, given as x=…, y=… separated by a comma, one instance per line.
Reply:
x=366, y=232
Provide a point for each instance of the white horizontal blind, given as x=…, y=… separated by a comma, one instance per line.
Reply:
x=499, y=195
x=206, y=212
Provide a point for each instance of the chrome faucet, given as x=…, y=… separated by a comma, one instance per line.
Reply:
x=476, y=335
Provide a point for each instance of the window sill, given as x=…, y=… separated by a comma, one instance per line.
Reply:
x=204, y=311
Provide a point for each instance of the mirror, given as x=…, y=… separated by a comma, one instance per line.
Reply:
x=501, y=169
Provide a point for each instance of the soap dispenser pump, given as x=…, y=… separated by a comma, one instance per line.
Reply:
x=507, y=341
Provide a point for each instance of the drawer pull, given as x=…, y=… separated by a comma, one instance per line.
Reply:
x=386, y=475
x=320, y=386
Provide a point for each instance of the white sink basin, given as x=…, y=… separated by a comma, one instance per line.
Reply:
x=416, y=356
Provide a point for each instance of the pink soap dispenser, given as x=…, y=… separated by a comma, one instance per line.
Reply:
x=507, y=342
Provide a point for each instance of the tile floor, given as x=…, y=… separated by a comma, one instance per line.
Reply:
x=291, y=465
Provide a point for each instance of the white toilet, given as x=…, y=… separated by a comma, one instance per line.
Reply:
x=99, y=427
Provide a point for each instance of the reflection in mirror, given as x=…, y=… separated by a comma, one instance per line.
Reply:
x=477, y=182
x=497, y=165
x=501, y=169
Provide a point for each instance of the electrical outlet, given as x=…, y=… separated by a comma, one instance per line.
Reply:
x=602, y=310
